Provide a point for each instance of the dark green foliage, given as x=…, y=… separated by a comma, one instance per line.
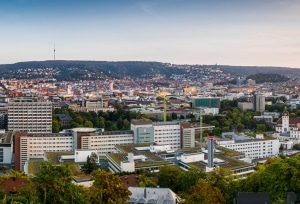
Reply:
x=91, y=164
x=277, y=177
x=261, y=78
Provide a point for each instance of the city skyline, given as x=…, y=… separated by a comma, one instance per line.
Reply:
x=259, y=32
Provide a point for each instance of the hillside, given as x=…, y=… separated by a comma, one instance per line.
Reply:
x=261, y=78
x=250, y=70
x=92, y=70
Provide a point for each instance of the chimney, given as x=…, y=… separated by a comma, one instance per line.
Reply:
x=210, y=154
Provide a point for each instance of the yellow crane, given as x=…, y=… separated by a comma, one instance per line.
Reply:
x=163, y=94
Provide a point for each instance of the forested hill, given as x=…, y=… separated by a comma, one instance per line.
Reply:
x=249, y=70
x=73, y=70
x=261, y=78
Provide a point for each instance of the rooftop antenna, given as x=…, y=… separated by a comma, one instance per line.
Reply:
x=54, y=52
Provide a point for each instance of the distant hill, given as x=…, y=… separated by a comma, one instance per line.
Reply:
x=250, y=70
x=261, y=78
x=80, y=70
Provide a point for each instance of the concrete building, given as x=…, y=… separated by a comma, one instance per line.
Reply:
x=29, y=115
x=187, y=135
x=259, y=102
x=6, y=149
x=254, y=148
x=161, y=133
x=33, y=145
x=267, y=118
x=206, y=102
x=245, y=106
x=3, y=116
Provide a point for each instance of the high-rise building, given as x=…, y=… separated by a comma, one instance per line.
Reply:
x=259, y=102
x=29, y=115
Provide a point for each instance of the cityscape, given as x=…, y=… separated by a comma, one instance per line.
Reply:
x=147, y=102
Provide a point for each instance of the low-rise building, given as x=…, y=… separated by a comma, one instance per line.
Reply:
x=254, y=148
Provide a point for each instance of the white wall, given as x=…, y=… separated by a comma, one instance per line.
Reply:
x=188, y=158
x=81, y=155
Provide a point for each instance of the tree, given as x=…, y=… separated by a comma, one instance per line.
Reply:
x=276, y=177
x=91, y=164
x=225, y=181
x=168, y=177
x=261, y=128
x=107, y=188
x=126, y=124
x=88, y=123
x=174, y=116
x=101, y=122
x=120, y=123
x=205, y=193
x=145, y=181
x=53, y=183
x=55, y=125
x=190, y=178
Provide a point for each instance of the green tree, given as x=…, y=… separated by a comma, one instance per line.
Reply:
x=88, y=123
x=205, y=193
x=55, y=125
x=225, y=181
x=276, y=177
x=190, y=178
x=53, y=183
x=120, y=123
x=101, y=122
x=91, y=164
x=145, y=181
x=168, y=177
x=107, y=188
x=174, y=116
x=261, y=128
x=126, y=124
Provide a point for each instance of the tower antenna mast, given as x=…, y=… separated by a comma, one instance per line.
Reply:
x=54, y=52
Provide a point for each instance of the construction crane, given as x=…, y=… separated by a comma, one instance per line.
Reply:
x=163, y=95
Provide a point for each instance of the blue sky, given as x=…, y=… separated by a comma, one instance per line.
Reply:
x=233, y=32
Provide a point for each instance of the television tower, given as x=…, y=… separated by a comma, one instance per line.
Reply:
x=54, y=52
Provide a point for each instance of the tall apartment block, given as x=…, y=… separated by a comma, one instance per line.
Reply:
x=259, y=102
x=29, y=115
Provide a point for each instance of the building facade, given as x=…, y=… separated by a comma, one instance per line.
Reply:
x=259, y=147
x=29, y=115
x=259, y=102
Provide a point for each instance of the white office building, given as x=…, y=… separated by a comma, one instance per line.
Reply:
x=167, y=133
x=254, y=148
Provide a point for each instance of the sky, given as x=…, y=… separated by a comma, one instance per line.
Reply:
x=227, y=32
